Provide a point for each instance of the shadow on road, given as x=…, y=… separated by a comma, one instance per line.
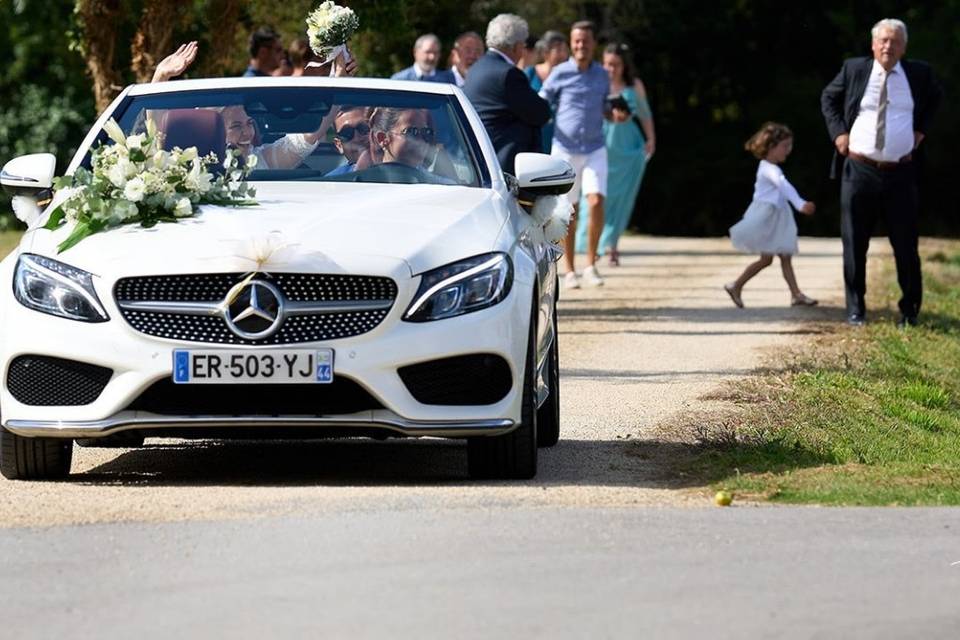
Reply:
x=571, y=463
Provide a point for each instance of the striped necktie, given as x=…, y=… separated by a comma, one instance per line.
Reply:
x=882, y=114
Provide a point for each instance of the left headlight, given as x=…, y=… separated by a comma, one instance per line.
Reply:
x=56, y=288
x=469, y=285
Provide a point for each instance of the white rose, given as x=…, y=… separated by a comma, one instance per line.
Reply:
x=117, y=176
x=251, y=161
x=188, y=154
x=135, y=142
x=134, y=190
x=184, y=208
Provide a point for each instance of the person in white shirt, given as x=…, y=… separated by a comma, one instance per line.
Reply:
x=878, y=110
x=768, y=227
x=467, y=49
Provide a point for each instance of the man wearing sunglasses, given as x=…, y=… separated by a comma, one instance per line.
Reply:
x=352, y=137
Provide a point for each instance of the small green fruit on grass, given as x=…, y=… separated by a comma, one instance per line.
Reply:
x=723, y=498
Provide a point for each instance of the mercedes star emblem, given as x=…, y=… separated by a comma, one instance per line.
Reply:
x=256, y=312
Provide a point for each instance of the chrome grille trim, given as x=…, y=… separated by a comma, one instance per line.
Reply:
x=315, y=307
x=290, y=308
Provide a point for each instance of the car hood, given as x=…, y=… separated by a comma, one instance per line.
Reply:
x=335, y=227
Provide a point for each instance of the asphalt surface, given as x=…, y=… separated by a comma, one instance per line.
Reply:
x=515, y=572
x=374, y=539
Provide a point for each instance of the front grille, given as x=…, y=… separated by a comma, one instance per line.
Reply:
x=295, y=287
x=461, y=380
x=46, y=382
x=340, y=397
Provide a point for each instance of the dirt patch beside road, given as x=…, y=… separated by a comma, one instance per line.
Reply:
x=652, y=344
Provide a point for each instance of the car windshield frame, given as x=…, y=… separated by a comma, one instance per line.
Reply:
x=271, y=105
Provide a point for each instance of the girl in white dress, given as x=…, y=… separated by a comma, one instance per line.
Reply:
x=768, y=227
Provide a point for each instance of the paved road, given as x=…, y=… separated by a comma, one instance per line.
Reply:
x=372, y=539
x=519, y=572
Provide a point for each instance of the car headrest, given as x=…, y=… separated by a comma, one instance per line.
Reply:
x=200, y=128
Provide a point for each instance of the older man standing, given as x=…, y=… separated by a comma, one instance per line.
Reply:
x=511, y=111
x=878, y=111
x=426, y=56
x=467, y=49
x=578, y=88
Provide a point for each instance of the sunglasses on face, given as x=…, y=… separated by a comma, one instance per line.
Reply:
x=424, y=133
x=348, y=132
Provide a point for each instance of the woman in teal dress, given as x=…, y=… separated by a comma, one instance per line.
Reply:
x=630, y=142
x=554, y=50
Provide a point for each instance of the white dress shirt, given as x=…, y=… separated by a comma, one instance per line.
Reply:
x=422, y=73
x=504, y=56
x=457, y=77
x=773, y=187
x=899, y=127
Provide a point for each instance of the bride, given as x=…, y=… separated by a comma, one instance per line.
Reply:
x=242, y=134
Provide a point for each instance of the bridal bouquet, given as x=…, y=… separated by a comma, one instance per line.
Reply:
x=136, y=180
x=329, y=27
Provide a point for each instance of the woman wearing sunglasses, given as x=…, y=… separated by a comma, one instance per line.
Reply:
x=403, y=136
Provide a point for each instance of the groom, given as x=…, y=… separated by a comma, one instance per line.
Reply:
x=878, y=111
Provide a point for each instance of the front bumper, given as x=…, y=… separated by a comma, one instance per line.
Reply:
x=371, y=360
x=134, y=420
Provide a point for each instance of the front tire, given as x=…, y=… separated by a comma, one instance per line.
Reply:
x=512, y=456
x=548, y=415
x=34, y=458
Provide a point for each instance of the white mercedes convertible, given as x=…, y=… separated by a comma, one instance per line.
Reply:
x=389, y=281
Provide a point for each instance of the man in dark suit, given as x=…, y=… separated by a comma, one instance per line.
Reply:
x=426, y=55
x=510, y=109
x=878, y=111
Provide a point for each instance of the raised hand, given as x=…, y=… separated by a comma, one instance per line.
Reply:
x=342, y=69
x=176, y=63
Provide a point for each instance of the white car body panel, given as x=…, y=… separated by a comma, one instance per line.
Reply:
x=397, y=231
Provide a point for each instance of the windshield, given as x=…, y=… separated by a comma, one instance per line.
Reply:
x=319, y=134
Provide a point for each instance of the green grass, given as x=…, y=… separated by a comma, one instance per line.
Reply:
x=868, y=416
x=8, y=240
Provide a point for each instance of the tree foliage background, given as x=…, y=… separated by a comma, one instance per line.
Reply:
x=714, y=71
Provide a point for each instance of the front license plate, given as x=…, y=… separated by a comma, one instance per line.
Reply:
x=277, y=366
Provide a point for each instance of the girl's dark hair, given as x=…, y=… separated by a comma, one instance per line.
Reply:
x=622, y=50
x=770, y=135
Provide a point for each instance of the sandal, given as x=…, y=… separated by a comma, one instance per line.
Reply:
x=803, y=301
x=734, y=294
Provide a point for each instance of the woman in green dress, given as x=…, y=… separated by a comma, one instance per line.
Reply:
x=630, y=142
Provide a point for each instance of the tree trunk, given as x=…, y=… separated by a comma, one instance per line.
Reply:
x=98, y=20
x=154, y=38
x=223, y=18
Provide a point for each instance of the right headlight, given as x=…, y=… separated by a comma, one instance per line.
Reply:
x=49, y=286
x=462, y=287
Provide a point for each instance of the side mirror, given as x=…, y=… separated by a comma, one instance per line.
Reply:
x=28, y=178
x=542, y=175
x=28, y=175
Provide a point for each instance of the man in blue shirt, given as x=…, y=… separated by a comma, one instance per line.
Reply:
x=577, y=89
x=266, y=53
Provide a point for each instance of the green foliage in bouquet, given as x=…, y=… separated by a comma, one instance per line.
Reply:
x=135, y=180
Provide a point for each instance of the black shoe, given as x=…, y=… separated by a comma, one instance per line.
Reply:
x=905, y=321
x=856, y=320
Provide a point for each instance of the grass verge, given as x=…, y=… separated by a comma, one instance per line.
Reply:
x=865, y=416
x=8, y=240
